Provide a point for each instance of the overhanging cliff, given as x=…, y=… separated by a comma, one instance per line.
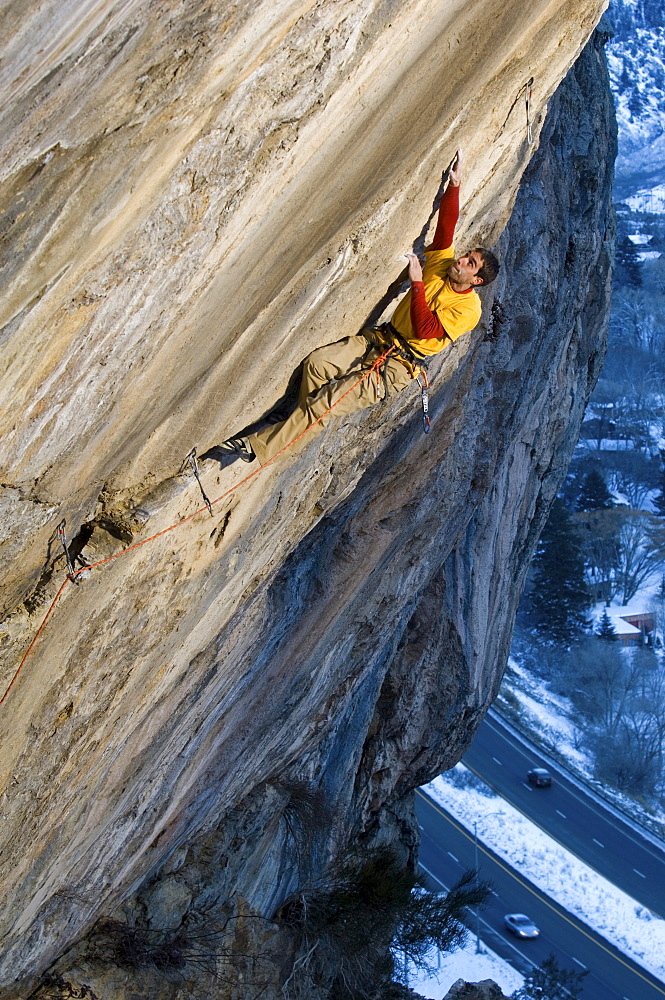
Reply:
x=195, y=198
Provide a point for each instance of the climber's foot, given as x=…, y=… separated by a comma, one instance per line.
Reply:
x=229, y=451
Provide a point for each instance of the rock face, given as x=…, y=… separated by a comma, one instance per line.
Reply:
x=486, y=990
x=196, y=195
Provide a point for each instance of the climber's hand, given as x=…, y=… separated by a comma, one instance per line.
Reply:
x=415, y=270
x=455, y=175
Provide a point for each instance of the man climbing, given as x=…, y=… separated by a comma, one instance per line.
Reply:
x=440, y=306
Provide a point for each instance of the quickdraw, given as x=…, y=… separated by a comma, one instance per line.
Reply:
x=403, y=350
x=190, y=460
x=424, y=398
x=72, y=574
x=527, y=89
x=528, y=96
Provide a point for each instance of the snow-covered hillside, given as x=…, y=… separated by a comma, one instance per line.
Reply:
x=636, y=58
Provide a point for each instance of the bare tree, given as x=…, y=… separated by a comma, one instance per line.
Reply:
x=602, y=682
x=640, y=558
x=599, y=534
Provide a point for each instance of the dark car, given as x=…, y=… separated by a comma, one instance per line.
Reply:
x=539, y=777
x=521, y=925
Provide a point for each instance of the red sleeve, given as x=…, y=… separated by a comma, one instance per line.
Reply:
x=448, y=216
x=426, y=324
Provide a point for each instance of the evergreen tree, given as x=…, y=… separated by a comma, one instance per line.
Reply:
x=551, y=982
x=594, y=494
x=559, y=597
x=627, y=257
x=606, y=629
x=626, y=79
x=636, y=104
x=659, y=501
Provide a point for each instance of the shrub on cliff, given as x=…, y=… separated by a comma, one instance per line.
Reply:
x=367, y=919
x=550, y=982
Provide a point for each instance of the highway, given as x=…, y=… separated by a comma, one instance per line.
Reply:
x=566, y=812
x=447, y=850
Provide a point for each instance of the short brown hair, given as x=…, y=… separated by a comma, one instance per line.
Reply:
x=489, y=267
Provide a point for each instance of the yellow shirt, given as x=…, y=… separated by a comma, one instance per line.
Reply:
x=458, y=312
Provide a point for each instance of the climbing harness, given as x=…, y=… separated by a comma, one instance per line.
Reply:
x=527, y=90
x=194, y=466
x=75, y=573
x=72, y=575
x=404, y=348
x=405, y=351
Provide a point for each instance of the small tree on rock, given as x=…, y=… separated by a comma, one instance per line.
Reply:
x=551, y=982
x=368, y=917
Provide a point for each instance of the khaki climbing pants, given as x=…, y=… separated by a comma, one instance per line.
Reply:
x=328, y=373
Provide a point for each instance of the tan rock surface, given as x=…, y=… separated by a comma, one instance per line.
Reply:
x=195, y=196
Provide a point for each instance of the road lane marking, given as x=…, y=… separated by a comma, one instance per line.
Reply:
x=545, y=830
x=497, y=761
x=563, y=815
x=578, y=961
x=490, y=930
x=538, y=893
x=451, y=855
x=601, y=811
x=639, y=873
x=529, y=962
x=432, y=875
x=597, y=842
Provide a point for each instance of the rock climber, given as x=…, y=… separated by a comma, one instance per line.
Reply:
x=441, y=305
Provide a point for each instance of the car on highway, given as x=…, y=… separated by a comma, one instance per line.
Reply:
x=539, y=777
x=520, y=925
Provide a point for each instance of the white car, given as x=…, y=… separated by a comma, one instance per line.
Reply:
x=521, y=925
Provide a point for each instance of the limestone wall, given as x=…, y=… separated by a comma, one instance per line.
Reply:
x=196, y=195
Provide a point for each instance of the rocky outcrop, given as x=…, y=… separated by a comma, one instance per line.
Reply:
x=207, y=719
x=485, y=990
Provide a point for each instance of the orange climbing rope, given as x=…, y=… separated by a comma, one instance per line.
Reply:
x=71, y=577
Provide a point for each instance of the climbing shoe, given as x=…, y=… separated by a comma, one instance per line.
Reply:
x=229, y=451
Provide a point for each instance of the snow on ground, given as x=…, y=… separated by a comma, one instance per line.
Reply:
x=548, y=713
x=645, y=601
x=608, y=444
x=614, y=914
x=639, y=239
x=465, y=964
x=650, y=200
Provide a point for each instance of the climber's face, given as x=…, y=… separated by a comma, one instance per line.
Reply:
x=464, y=272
